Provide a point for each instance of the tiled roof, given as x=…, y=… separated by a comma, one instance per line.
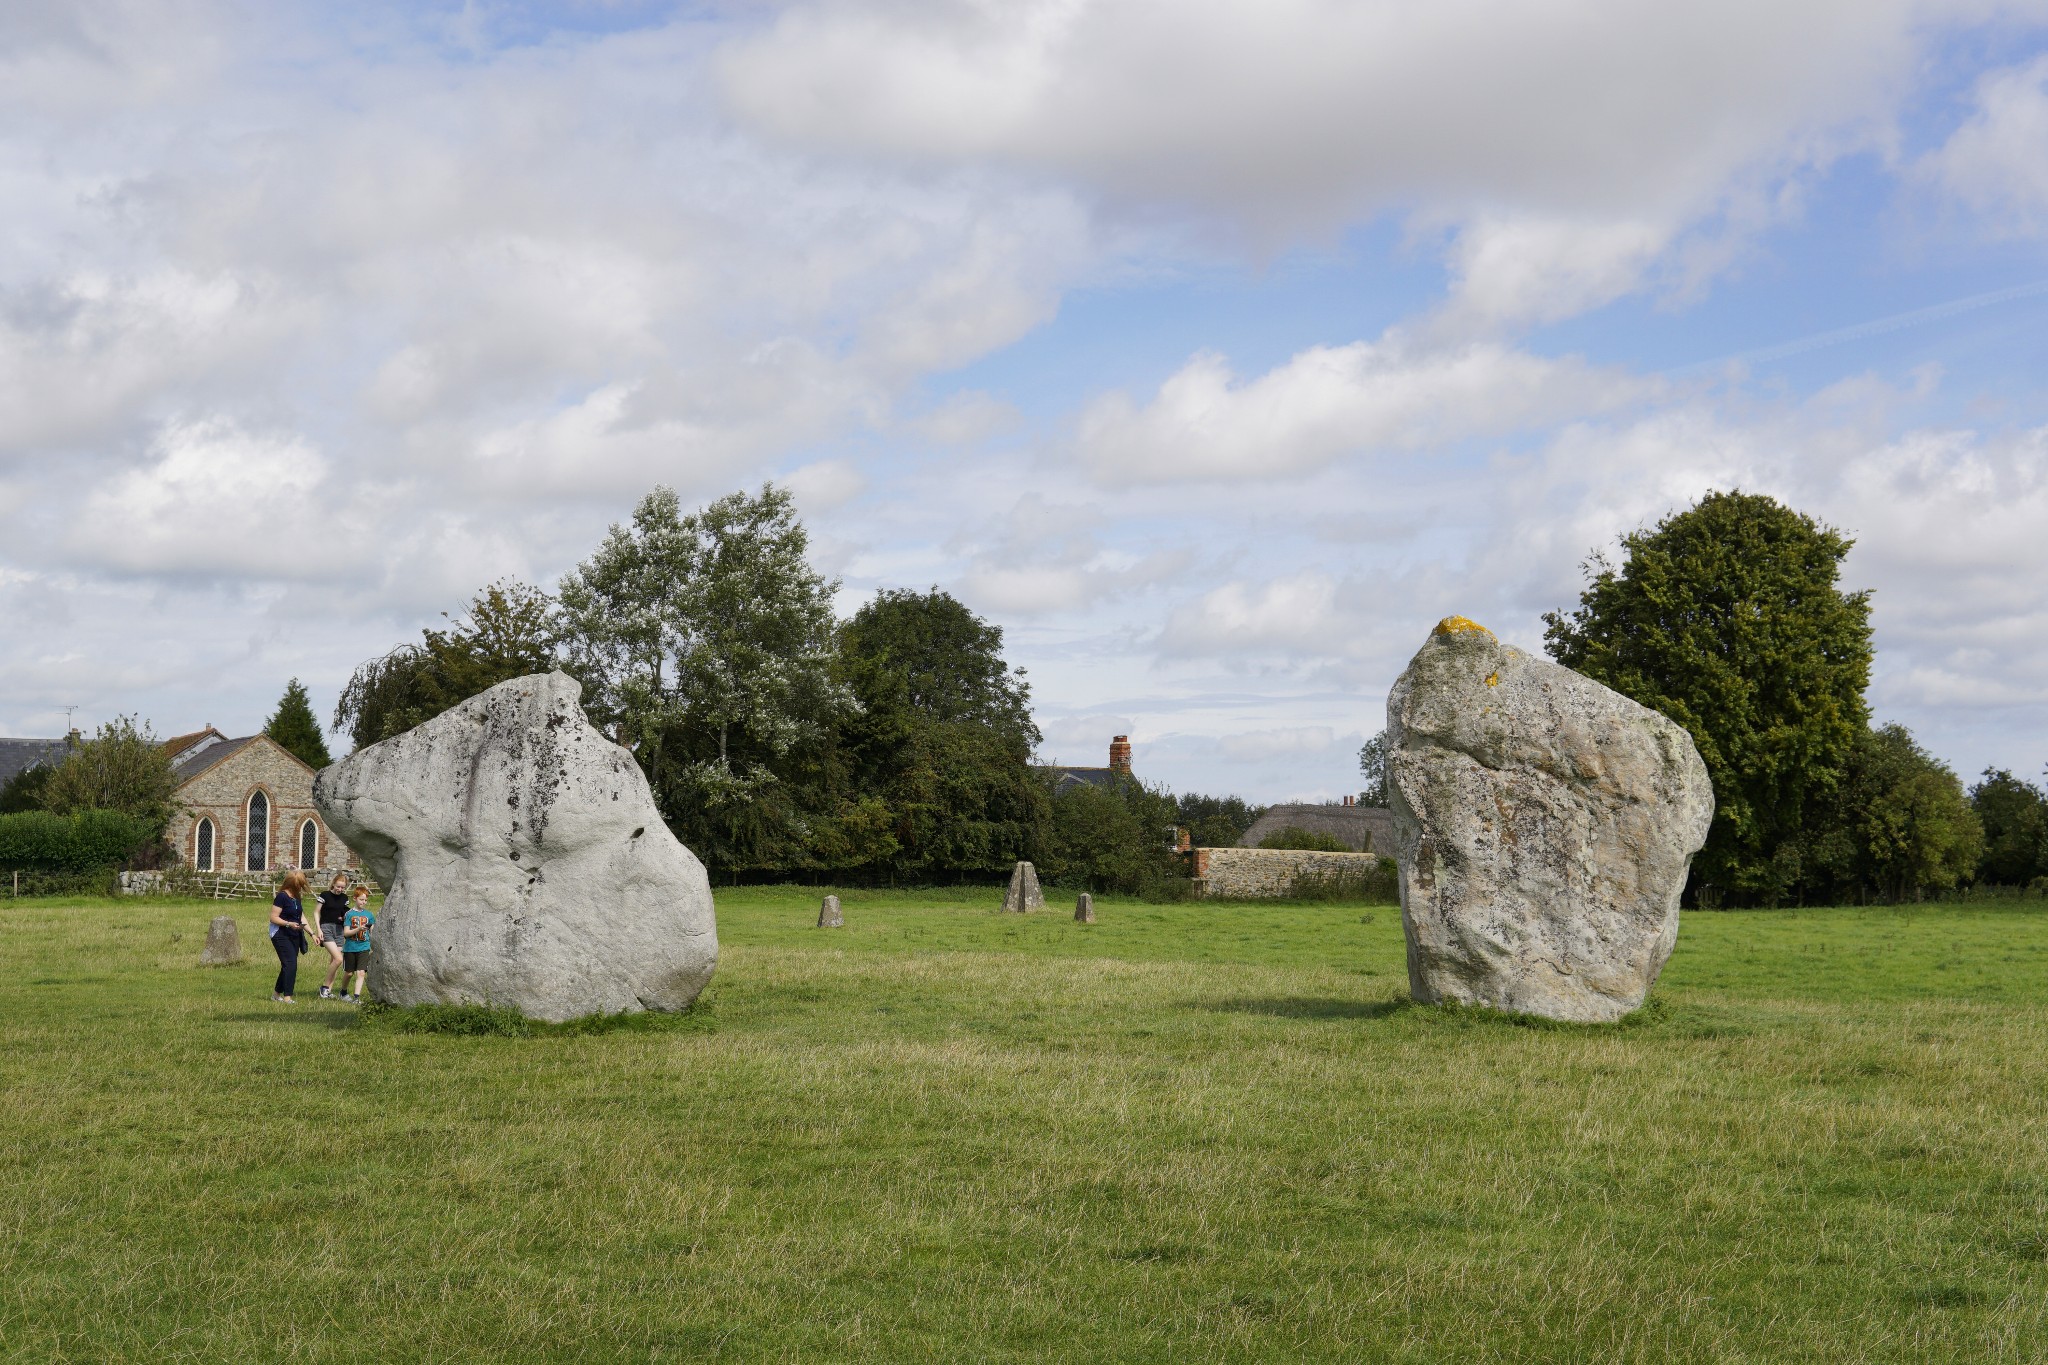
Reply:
x=210, y=755
x=1065, y=777
x=18, y=754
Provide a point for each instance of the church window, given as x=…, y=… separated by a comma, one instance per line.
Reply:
x=202, y=846
x=309, y=846
x=259, y=832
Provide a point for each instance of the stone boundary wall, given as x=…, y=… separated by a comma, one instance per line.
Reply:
x=1267, y=873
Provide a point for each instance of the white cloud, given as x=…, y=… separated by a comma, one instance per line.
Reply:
x=1292, y=742
x=1996, y=163
x=1332, y=401
x=1512, y=270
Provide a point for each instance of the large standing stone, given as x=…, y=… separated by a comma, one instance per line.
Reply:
x=524, y=862
x=1545, y=824
x=1084, y=909
x=829, y=914
x=1023, y=895
x=223, y=943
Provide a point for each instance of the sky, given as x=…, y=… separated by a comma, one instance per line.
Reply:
x=1213, y=350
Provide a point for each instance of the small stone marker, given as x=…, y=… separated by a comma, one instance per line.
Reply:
x=223, y=943
x=1023, y=896
x=829, y=916
x=1084, y=909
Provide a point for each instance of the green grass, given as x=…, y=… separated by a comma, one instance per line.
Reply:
x=1185, y=1133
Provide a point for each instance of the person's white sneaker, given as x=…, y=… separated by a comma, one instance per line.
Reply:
x=327, y=993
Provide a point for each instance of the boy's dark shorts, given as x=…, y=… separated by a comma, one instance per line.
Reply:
x=356, y=961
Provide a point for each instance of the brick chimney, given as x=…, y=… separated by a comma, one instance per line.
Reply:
x=1120, y=755
x=1349, y=799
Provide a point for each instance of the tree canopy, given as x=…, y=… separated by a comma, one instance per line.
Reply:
x=2014, y=815
x=1727, y=618
x=294, y=726
x=123, y=768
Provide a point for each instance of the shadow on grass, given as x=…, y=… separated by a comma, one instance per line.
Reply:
x=335, y=1019
x=502, y=1021
x=1305, y=1007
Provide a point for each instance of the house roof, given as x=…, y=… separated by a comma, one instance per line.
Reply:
x=197, y=761
x=17, y=755
x=1064, y=777
x=177, y=745
x=1364, y=828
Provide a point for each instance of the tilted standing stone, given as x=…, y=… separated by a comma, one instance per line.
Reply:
x=1084, y=909
x=1544, y=825
x=524, y=861
x=1023, y=895
x=828, y=914
x=223, y=943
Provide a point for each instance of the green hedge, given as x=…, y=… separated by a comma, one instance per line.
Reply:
x=36, y=840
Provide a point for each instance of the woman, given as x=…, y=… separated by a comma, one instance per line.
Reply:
x=333, y=906
x=288, y=935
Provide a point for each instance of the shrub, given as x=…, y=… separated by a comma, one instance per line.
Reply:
x=1307, y=840
x=88, y=841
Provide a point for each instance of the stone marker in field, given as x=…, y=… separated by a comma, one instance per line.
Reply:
x=829, y=916
x=1544, y=824
x=1023, y=895
x=223, y=943
x=524, y=862
x=1084, y=909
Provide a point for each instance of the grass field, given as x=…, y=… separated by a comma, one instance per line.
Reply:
x=1187, y=1133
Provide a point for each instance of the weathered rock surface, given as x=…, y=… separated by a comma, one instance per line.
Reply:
x=1544, y=826
x=1084, y=909
x=829, y=915
x=1023, y=895
x=223, y=943
x=524, y=862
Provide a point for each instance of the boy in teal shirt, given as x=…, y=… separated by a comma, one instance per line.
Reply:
x=356, y=926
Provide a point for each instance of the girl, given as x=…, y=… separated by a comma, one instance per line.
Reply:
x=333, y=905
x=288, y=935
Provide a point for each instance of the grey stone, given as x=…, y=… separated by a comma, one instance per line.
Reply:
x=1084, y=909
x=1023, y=895
x=1544, y=825
x=829, y=916
x=524, y=862
x=223, y=943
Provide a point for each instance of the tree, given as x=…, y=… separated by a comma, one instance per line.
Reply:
x=511, y=630
x=1727, y=618
x=943, y=735
x=121, y=768
x=1372, y=765
x=1215, y=821
x=2015, y=819
x=1900, y=825
x=24, y=790
x=707, y=641
x=1113, y=838
x=293, y=726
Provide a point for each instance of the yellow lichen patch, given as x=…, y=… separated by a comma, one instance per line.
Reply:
x=1458, y=625
x=1493, y=680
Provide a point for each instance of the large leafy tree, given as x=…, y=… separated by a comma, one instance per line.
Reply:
x=1897, y=827
x=510, y=630
x=707, y=641
x=2014, y=814
x=1727, y=617
x=1215, y=821
x=294, y=727
x=943, y=736
x=123, y=768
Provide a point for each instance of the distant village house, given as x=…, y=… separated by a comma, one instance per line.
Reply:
x=246, y=805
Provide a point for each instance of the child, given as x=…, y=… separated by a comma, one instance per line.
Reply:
x=333, y=905
x=355, y=945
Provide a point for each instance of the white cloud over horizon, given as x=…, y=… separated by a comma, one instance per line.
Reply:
x=311, y=324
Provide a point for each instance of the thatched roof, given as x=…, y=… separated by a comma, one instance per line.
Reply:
x=1364, y=829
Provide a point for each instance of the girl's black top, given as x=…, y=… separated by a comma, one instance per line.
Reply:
x=333, y=905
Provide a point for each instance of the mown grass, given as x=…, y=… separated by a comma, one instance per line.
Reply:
x=1183, y=1133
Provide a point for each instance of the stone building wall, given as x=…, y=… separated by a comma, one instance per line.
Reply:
x=1267, y=873
x=222, y=792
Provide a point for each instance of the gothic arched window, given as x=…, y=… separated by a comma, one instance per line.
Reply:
x=202, y=846
x=309, y=846
x=258, y=842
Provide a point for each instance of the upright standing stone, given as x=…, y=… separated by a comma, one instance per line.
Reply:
x=223, y=943
x=828, y=914
x=1544, y=825
x=524, y=861
x=1023, y=895
x=1084, y=909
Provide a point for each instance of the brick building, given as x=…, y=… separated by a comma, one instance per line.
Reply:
x=246, y=805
